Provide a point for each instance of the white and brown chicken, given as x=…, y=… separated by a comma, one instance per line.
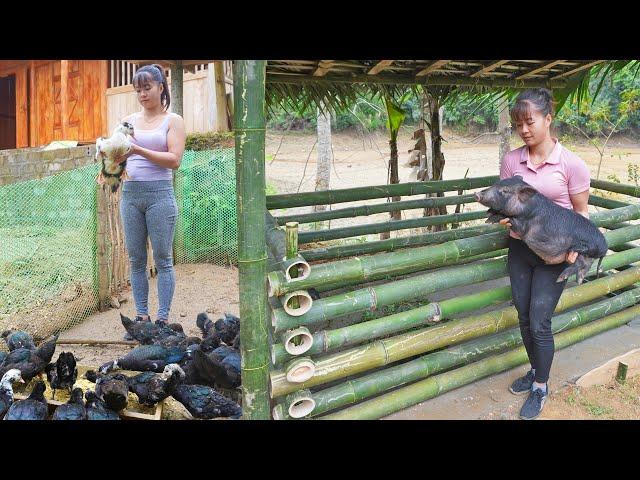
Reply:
x=109, y=151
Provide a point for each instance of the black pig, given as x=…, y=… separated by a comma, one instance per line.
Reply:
x=548, y=229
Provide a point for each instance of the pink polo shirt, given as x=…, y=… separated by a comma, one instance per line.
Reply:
x=561, y=175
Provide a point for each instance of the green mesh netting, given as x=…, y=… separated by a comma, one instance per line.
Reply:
x=205, y=186
x=48, y=246
x=48, y=251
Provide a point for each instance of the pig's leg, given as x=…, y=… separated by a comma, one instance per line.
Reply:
x=585, y=265
x=494, y=217
x=580, y=267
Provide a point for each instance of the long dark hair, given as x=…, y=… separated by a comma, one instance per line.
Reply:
x=540, y=99
x=153, y=73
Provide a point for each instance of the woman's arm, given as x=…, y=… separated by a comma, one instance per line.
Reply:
x=176, y=137
x=580, y=202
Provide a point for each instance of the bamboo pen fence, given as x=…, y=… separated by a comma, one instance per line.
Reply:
x=362, y=329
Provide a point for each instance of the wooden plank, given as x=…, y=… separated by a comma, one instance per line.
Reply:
x=323, y=67
x=607, y=372
x=539, y=69
x=64, y=98
x=32, y=105
x=222, y=124
x=578, y=69
x=381, y=65
x=44, y=90
x=103, y=98
x=489, y=68
x=22, y=108
x=432, y=67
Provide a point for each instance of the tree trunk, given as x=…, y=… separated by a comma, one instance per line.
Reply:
x=176, y=88
x=437, y=161
x=504, y=127
x=393, y=179
x=323, y=171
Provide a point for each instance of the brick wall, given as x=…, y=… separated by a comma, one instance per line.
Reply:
x=28, y=163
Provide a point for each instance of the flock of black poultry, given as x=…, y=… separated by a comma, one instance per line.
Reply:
x=190, y=369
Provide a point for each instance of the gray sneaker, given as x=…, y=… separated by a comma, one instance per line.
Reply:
x=534, y=404
x=522, y=385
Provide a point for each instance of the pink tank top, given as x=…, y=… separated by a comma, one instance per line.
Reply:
x=139, y=168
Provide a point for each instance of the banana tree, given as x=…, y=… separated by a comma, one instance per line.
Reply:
x=395, y=118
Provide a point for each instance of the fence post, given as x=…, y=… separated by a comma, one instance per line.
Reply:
x=249, y=85
x=102, y=221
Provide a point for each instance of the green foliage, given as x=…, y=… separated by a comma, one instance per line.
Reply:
x=209, y=141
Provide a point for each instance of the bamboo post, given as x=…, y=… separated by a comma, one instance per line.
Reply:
x=102, y=260
x=177, y=90
x=621, y=374
x=249, y=91
x=222, y=124
x=625, y=189
x=291, y=246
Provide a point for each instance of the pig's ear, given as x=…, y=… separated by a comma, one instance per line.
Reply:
x=525, y=193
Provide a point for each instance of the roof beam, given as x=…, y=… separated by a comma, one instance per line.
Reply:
x=489, y=68
x=575, y=70
x=539, y=69
x=432, y=68
x=276, y=77
x=381, y=65
x=323, y=68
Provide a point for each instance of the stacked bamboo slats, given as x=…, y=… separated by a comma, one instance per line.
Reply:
x=334, y=361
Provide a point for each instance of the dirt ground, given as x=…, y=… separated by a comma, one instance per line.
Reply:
x=612, y=401
x=199, y=288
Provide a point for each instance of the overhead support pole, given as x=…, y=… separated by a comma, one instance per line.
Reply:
x=249, y=92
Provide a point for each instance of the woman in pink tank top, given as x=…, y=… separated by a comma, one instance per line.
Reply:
x=563, y=177
x=148, y=207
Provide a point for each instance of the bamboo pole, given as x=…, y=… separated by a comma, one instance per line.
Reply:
x=383, y=352
x=249, y=89
x=407, y=261
x=380, y=265
x=625, y=189
x=277, y=243
x=358, y=389
x=364, y=210
x=444, y=382
x=325, y=197
x=370, y=228
x=597, y=201
x=392, y=244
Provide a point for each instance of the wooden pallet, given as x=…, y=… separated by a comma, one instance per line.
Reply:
x=134, y=410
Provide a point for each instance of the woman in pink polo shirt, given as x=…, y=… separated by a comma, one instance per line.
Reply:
x=563, y=177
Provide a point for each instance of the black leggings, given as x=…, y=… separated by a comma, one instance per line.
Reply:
x=535, y=296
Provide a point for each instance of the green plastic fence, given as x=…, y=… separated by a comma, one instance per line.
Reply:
x=205, y=186
x=48, y=266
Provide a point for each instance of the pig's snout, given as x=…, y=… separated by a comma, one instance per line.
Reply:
x=478, y=196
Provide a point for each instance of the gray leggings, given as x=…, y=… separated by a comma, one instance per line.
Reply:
x=150, y=209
